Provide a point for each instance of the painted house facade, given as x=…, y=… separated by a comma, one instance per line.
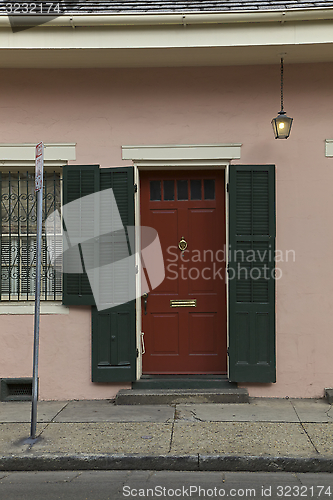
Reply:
x=170, y=106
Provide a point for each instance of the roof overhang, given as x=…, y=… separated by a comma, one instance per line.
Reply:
x=165, y=40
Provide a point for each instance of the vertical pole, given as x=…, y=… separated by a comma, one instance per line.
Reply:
x=37, y=313
x=39, y=189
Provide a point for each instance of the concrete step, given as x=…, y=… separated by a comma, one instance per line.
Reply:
x=181, y=396
x=329, y=396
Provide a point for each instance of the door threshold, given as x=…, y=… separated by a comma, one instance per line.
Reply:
x=148, y=382
x=171, y=376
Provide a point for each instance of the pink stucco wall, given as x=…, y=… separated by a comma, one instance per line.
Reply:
x=101, y=110
x=64, y=355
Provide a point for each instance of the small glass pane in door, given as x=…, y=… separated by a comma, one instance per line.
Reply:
x=196, y=189
x=209, y=189
x=169, y=190
x=182, y=190
x=155, y=191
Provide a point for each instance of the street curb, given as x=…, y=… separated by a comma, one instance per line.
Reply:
x=198, y=462
x=265, y=463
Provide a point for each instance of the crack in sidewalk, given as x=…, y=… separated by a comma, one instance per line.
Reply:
x=195, y=417
x=327, y=412
x=51, y=421
x=175, y=417
x=304, y=429
x=39, y=434
x=61, y=409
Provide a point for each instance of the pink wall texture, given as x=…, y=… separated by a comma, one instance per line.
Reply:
x=101, y=110
x=64, y=355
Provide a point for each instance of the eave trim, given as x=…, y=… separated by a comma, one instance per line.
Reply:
x=179, y=18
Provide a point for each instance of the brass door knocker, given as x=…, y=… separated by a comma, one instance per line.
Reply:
x=182, y=245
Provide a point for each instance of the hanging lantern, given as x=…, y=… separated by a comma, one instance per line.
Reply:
x=282, y=123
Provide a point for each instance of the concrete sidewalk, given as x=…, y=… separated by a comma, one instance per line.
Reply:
x=266, y=435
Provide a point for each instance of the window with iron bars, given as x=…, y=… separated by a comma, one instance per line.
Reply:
x=18, y=213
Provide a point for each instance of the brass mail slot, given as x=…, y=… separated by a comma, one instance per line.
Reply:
x=183, y=303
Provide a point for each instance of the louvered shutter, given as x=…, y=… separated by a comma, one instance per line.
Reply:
x=78, y=181
x=251, y=273
x=113, y=329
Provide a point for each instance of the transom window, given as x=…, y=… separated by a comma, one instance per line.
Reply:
x=182, y=190
x=18, y=229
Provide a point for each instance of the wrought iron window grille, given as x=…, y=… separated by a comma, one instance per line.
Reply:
x=18, y=213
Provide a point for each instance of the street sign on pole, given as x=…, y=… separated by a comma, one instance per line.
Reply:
x=39, y=164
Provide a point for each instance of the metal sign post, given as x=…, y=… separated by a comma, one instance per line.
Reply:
x=39, y=163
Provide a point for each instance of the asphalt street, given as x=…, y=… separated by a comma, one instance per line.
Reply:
x=114, y=485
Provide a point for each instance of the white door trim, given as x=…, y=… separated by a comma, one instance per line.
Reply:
x=185, y=161
x=181, y=155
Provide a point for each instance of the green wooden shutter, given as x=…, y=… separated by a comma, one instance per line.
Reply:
x=113, y=329
x=78, y=181
x=251, y=273
x=113, y=344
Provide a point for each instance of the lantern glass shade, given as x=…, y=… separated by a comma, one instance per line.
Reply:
x=282, y=125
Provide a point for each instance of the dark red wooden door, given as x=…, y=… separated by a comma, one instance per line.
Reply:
x=191, y=338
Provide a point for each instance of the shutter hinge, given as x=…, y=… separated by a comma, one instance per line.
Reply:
x=227, y=187
x=137, y=353
x=228, y=353
x=135, y=188
x=228, y=268
x=136, y=269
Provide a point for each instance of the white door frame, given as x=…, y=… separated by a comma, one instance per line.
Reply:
x=174, y=157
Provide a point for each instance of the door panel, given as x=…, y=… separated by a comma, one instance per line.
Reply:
x=167, y=219
x=202, y=224
x=200, y=323
x=167, y=340
x=188, y=339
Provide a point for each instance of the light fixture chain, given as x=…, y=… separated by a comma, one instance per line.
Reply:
x=281, y=84
x=282, y=123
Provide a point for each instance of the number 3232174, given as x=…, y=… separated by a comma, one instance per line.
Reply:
x=303, y=491
x=27, y=8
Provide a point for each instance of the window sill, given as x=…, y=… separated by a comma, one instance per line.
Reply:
x=28, y=307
